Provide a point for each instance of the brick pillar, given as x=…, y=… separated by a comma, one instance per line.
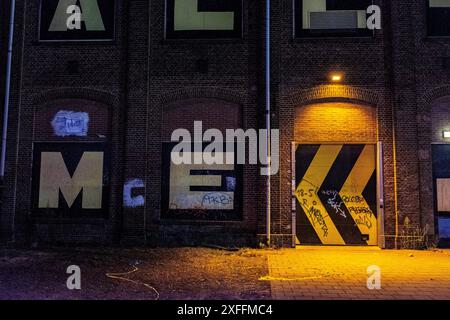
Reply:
x=134, y=219
x=405, y=102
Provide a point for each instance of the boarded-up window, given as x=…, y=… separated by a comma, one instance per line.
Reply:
x=204, y=19
x=315, y=18
x=200, y=191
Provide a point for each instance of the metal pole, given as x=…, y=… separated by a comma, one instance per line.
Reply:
x=8, y=89
x=380, y=191
x=268, y=125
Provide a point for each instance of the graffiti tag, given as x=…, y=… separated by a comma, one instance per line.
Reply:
x=317, y=218
x=70, y=123
x=215, y=198
x=128, y=199
x=334, y=202
x=306, y=199
x=363, y=216
x=352, y=199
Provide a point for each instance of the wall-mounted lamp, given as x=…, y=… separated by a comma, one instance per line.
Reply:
x=336, y=77
x=446, y=134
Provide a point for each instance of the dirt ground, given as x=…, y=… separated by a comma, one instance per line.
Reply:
x=175, y=273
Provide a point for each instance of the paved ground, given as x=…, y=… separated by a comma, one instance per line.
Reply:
x=341, y=273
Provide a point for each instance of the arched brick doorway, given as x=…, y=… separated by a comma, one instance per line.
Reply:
x=335, y=171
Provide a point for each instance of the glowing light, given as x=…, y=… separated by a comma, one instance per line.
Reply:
x=446, y=134
x=336, y=77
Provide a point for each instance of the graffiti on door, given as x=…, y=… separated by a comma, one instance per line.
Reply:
x=336, y=194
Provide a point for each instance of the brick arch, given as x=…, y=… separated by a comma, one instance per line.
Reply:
x=436, y=116
x=426, y=119
x=213, y=112
x=430, y=124
x=74, y=93
x=201, y=92
x=334, y=93
x=434, y=94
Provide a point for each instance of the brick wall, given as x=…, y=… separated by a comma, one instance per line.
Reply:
x=221, y=115
x=41, y=76
x=212, y=113
x=335, y=122
x=301, y=73
x=173, y=77
x=140, y=75
x=136, y=77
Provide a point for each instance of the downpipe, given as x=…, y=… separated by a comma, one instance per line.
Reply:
x=7, y=89
x=268, y=125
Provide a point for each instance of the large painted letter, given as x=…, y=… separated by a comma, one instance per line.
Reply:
x=77, y=20
x=90, y=14
x=188, y=17
x=201, y=191
x=54, y=177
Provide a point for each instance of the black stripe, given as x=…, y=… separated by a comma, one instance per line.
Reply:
x=370, y=193
x=348, y=4
x=329, y=194
x=304, y=156
x=217, y=5
x=223, y=175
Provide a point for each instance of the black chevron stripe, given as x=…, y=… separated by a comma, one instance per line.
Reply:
x=370, y=193
x=217, y=5
x=329, y=194
x=304, y=156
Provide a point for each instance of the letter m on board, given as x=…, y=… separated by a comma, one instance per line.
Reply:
x=90, y=15
x=87, y=178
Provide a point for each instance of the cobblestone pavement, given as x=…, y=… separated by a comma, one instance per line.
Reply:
x=341, y=273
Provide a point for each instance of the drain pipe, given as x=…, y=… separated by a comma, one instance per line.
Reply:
x=268, y=125
x=8, y=89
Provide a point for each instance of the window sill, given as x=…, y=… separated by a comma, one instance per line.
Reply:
x=432, y=38
x=203, y=41
x=62, y=43
x=67, y=220
x=348, y=39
